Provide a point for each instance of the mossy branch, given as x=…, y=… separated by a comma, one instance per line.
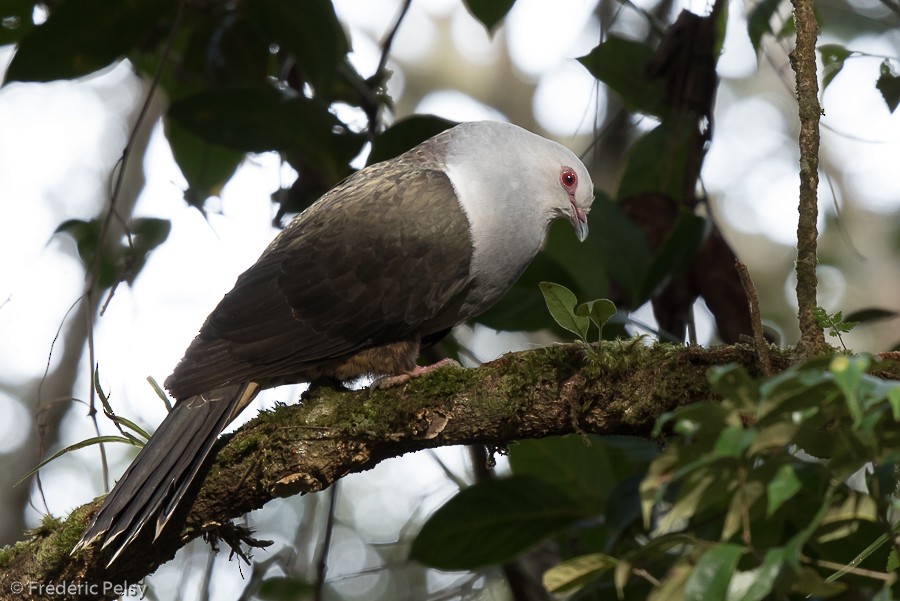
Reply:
x=620, y=388
x=803, y=61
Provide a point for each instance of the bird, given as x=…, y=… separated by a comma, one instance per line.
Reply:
x=383, y=264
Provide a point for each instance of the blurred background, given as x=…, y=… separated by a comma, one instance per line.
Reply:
x=60, y=142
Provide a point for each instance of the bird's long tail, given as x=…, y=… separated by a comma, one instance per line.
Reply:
x=157, y=479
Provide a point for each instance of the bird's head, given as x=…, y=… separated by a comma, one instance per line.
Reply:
x=575, y=182
x=508, y=175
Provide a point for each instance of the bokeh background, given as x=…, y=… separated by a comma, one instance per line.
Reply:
x=59, y=144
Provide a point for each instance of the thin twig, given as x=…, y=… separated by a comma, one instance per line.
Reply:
x=93, y=274
x=378, y=77
x=803, y=61
x=42, y=407
x=389, y=40
x=833, y=565
x=762, y=348
x=322, y=563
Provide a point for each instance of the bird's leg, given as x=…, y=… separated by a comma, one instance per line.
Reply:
x=418, y=370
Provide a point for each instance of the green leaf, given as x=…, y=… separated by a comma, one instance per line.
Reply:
x=147, y=233
x=492, y=521
x=82, y=36
x=734, y=383
x=733, y=441
x=561, y=304
x=763, y=578
x=889, y=85
x=622, y=65
x=710, y=577
x=308, y=30
x=87, y=240
x=406, y=134
x=206, y=167
x=782, y=488
x=78, y=445
x=283, y=588
x=759, y=21
x=833, y=57
x=893, y=397
x=573, y=574
x=489, y=12
x=893, y=562
x=599, y=311
x=848, y=372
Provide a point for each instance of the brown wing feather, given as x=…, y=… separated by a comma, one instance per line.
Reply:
x=382, y=258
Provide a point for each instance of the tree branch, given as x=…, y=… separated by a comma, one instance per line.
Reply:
x=620, y=389
x=803, y=61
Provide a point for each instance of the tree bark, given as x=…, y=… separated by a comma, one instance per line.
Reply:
x=619, y=388
x=803, y=61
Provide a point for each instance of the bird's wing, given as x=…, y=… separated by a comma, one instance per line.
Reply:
x=382, y=258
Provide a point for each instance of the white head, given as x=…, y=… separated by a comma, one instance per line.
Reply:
x=511, y=184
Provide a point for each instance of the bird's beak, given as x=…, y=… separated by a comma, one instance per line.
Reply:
x=579, y=221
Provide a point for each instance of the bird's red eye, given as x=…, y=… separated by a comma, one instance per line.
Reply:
x=568, y=179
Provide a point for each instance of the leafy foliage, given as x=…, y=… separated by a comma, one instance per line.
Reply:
x=889, y=85
x=118, y=262
x=833, y=323
x=489, y=12
x=574, y=317
x=736, y=506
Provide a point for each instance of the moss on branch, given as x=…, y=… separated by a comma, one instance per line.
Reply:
x=620, y=388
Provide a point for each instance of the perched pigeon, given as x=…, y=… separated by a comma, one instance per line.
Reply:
x=387, y=261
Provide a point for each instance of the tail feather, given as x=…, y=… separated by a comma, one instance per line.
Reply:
x=155, y=483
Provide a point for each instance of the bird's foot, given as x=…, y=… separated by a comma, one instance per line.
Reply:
x=396, y=380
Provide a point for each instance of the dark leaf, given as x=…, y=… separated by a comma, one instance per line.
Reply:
x=82, y=36
x=759, y=21
x=620, y=247
x=889, y=85
x=658, y=161
x=406, y=134
x=16, y=19
x=146, y=234
x=676, y=254
x=206, y=167
x=623, y=66
x=492, y=521
x=523, y=307
x=261, y=118
x=714, y=276
x=833, y=57
x=489, y=12
x=308, y=30
x=283, y=588
x=87, y=239
x=586, y=468
x=869, y=314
